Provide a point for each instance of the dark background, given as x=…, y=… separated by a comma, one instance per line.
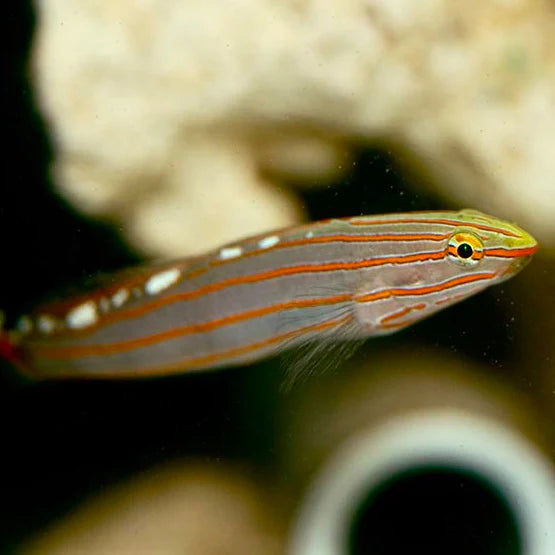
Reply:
x=63, y=441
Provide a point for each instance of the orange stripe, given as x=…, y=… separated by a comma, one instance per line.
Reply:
x=60, y=308
x=395, y=315
x=402, y=312
x=210, y=360
x=453, y=223
x=120, y=280
x=341, y=238
x=63, y=353
x=512, y=253
x=253, y=278
x=398, y=325
x=425, y=290
x=451, y=299
x=215, y=357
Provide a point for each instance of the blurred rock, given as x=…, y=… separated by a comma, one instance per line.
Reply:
x=158, y=107
x=212, y=195
x=368, y=392
x=172, y=510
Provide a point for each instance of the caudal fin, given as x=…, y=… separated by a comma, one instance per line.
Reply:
x=9, y=351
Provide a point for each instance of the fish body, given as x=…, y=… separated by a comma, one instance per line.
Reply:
x=334, y=280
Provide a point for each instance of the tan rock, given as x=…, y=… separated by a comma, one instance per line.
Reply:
x=131, y=90
x=178, y=509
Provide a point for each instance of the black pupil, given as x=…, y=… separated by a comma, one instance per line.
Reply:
x=464, y=250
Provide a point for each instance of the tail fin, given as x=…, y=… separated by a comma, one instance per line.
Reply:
x=9, y=350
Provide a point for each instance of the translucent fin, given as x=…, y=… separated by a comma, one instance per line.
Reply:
x=315, y=358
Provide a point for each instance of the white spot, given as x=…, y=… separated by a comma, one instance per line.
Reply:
x=82, y=316
x=104, y=304
x=230, y=252
x=46, y=323
x=120, y=297
x=268, y=242
x=24, y=325
x=309, y=234
x=158, y=282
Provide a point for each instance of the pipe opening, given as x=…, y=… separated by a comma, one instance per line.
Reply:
x=435, y=510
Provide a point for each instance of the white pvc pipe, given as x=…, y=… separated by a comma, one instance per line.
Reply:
x=453, y=439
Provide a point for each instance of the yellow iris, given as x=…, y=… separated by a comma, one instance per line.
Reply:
x=465, y=248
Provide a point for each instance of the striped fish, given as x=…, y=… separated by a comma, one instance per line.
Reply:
x=334, y=280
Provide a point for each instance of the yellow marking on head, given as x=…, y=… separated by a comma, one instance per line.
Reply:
x=504, y=234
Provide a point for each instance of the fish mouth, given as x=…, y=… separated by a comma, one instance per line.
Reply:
x=521, y=258
x=527, y=243
x=511, y=242
x=523, y=246
x=521, y=251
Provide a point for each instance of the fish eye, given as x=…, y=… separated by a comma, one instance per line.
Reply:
x=465, y=248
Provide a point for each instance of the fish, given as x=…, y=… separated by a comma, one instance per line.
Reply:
x=311, y=286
